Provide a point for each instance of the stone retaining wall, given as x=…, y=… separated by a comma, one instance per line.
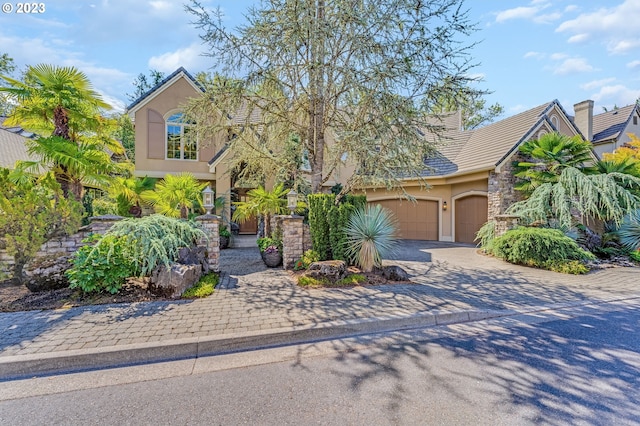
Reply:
x=66, y=244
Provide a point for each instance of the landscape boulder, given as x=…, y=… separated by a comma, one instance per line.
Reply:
x=47, y=272
x=172, y=281
x=194, y=255
x=332, y=269
x=395, y=273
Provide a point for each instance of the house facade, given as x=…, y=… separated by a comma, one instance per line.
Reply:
x=470, y=178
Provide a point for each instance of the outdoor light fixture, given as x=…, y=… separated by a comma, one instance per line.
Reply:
x=444, y=205
x=292, y=200
x=207, y=199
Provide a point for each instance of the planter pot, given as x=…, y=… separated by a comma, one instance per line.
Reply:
x=224, y=242
x=272, y=259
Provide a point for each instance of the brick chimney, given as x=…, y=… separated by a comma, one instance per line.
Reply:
x=584, y=118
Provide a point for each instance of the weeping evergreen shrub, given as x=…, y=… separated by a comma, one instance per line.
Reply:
x=541, y=248
x=132, y=247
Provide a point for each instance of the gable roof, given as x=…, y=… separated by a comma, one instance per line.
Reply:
x=610, y=124
x=158, y=88
x=488, y=147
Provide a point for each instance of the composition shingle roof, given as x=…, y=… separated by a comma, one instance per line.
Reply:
x=608, y=125
x=483, y=148
x=12, y=148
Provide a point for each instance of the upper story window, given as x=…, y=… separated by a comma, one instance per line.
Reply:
x=181, y=140
x=555, y=122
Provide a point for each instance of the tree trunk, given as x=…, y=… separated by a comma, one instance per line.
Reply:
x=61, y=122
x=18, y=268
x=317, y=99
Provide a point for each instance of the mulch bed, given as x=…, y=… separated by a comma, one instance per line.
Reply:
x=15, y=298
x=372, y=279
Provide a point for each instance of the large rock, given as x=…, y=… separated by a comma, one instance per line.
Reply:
x=395, y=273
x=47, y=272
x=174, y=280
x=333, y=269
x=194, y=255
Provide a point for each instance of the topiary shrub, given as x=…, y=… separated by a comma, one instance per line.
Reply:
x=319, y=228
x=538, y=247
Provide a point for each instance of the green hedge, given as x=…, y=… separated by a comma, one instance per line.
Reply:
x=327, y=223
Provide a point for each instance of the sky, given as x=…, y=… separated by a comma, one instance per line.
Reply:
x=529, y=52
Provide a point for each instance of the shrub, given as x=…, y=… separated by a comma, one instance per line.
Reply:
x=338, y=221
x=371, y=234
x=203, y=288
x=629, y=231
x=486, y=235
x=104, y=266
x=224, y=231
x=307, y=259
x=538, y=247
x=319, y=207
x=351, y=280
x=574, y=267
x=635, y=255
x=307, y=281
x=142, y=244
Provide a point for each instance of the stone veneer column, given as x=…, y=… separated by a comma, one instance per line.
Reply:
x=211, y=225
x=292, y=240
x=504, y=223
x=501, y=192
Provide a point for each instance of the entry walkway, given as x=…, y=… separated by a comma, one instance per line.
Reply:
x=253, y=300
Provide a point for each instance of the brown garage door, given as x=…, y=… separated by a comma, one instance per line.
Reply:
x=417, y=221
x=471, y=214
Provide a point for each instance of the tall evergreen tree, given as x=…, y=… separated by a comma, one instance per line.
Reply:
x=361, y=72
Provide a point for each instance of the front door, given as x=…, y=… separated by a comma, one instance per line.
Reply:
x=250, y=226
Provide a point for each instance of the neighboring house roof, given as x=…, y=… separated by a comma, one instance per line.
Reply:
x=12, y=148
x=158, y=88
x=610, y=124
x=15, y=129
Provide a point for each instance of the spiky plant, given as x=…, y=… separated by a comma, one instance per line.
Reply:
x=371, y=235
x=175, y=195
x=629, y=231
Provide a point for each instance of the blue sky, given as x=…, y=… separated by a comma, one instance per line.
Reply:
x=530, y=51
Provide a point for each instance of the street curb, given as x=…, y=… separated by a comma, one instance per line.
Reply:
x=32, y=365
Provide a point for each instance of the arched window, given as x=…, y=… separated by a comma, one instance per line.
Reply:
x=555, y=122
x=541, y=133
x=181, y=140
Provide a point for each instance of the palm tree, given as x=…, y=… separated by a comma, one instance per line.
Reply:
x=176, y=195
x=60, y=105
x=126, y=191
x=262, y=203
x=547, y=157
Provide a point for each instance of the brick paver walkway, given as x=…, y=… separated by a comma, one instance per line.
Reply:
x=448, y=277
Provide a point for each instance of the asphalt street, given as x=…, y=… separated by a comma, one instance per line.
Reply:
x=573, y=366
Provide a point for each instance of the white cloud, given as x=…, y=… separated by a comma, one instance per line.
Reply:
x=571, y=8
x=517, y=13
x=189, y=57
x=618, y=94
x=614, y=26
x=597, y=83
x=573, y=66
x=547, y=18
x=578, y=38
x=633, y=64
x=535, y=55
x=559, y=56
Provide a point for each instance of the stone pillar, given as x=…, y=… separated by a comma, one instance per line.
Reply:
x=504, y=223
x=210, y=224
x=292, y=240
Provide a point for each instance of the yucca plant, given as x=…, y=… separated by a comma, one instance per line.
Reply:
x=371, y=235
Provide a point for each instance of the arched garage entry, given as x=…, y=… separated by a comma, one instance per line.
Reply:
x=471, y=214
x=416, y=220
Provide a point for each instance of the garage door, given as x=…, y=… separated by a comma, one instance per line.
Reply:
x=417, y=221
x=471, y=214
